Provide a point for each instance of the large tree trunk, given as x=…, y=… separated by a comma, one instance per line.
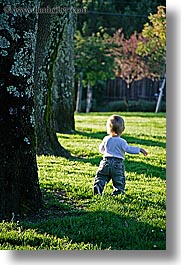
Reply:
x=50, y=34
x=63, y=85
x=19, y=187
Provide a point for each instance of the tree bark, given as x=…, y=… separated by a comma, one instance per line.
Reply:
x=63, y=85
x=49, y=38
x=19, y=186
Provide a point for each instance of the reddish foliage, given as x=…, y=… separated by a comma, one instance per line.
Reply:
x=128, y=64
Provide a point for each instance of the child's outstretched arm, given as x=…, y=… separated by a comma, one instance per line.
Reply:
x=143, y=151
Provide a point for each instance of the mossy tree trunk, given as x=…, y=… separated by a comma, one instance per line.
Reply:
x=63, y=86
x=19, y=186
x=51, y=29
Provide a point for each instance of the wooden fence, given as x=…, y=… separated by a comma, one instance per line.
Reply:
x=144, y=89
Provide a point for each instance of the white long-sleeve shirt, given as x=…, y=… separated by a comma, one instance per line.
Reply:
x=115, y=146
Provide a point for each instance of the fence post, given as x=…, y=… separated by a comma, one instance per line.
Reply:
x=160, y=95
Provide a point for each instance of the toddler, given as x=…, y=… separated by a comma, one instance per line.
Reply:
x=113, y=148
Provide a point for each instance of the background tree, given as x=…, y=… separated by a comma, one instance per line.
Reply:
x=19, y=187
x=130, y=15
x=92, y=60
x=153, y=48
x=142, y=55
x=136, y=14
x=128, y=64
x=110, y=15
x=54, y=78
x=153, y=44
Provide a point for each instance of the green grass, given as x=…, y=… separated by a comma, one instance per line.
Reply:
x=73, y=219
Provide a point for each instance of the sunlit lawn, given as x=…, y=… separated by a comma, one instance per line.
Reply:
x=72, y=218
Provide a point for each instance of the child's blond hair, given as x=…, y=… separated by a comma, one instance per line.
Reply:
x=115, y=124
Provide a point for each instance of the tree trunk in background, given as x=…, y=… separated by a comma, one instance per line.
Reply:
x=89, y=98
x=19, y=187
x=51, y=28
x=126, y=96
x=63, y=85
x=79, y=94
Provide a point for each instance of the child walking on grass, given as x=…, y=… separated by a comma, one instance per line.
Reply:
x=113, y=148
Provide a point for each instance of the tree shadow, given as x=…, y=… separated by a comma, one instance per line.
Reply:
x=129, y=139
x=130, y=166
x=103, y=229
x=94, y=135
x=142, y=168
x=142, y=141
x=91, y=160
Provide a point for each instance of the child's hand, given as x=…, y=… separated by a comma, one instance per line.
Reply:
x=143, y=151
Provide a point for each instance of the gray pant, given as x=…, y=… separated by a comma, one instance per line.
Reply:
x=110, y=168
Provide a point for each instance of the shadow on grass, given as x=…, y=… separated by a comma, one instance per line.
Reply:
x=141, y=141
x=130, y=166
x=129, y=139
x=144, y=168
x=103, y=229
